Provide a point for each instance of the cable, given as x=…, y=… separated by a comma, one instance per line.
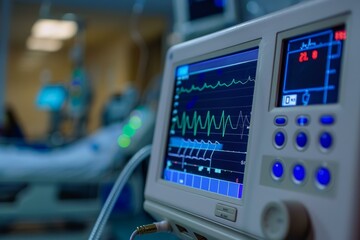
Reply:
x=162, y=226
x=116, y=190
x=132, y=237
x=138, y=39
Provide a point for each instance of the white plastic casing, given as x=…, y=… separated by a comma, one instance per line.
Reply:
x=333, y=212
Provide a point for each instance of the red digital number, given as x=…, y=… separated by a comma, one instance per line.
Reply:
x=314, y=54
x=340, y=35
x=303, y=57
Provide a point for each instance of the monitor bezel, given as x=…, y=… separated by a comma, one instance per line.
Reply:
x=281, y=38
x=243, y=47
x=193, y=28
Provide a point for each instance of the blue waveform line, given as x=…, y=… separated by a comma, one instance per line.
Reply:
x=179, y=142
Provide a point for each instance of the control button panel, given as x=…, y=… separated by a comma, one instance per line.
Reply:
x=302, y=173
x=301, y=137
x=311, y=176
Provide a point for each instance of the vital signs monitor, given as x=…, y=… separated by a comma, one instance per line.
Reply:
x=257, y=133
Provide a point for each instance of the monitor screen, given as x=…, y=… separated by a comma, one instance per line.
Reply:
x=310, y=69
x=51, y=97
x=195, y=18
x=209, y=125
x=204, y=8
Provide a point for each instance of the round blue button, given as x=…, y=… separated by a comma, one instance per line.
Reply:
x=302, y=120
x=326, y=140
x=277, y=170
x=323, y=177
x=280, y=121
x=279, y=139
x=327, y=120
x=299, y=173
x=301, y=139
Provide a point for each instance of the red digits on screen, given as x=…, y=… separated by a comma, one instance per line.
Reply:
x=314, y=54
x=303, y=57
x=340, y=35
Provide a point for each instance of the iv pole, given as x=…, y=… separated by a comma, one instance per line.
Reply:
x=5, y=9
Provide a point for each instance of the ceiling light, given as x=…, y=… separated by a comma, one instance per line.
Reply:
x=40, y=44
x=54, y=29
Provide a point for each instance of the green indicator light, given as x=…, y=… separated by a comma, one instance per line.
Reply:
x=135, y=122
x=128, y=130
x=124, y=141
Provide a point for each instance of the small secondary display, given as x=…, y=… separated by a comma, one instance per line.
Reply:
x=51, y=97
x=210, y=123
x=310, y=71
x=205, y=8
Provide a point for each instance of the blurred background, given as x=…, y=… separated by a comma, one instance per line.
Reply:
x=79, y=87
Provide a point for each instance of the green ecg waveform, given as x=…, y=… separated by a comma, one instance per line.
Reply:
x=196, y=123
x=209, y=86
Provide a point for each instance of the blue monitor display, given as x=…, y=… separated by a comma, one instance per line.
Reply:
x=51, y=97
x=205, y=8
x=311, y=68
x=210, y=121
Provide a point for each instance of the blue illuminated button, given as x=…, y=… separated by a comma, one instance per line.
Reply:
x=327, y=120
x=302, y=120
x=280, y=120
x=323, y=177
x=277, y=170
x=279, y=139
x=299, y=173
x=301, y=139
x=325, y=140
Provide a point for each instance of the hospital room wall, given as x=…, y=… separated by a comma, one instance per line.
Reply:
x=110, y=69
x=114, y=68
x=111, y=65
x=24, y=82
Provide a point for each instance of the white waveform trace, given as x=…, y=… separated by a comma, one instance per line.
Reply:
x=245, y=123
x=307, y=45
x=194, y=149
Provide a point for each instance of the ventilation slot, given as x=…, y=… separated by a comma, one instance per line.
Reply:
x=181, y=229
x=199, y=237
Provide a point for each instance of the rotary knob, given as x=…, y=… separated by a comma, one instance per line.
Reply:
x=285, y=220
